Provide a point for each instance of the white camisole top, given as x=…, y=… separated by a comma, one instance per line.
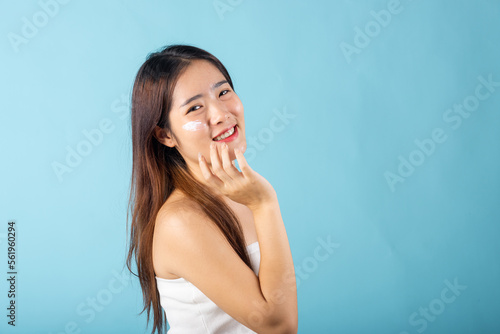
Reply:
x=189, y=311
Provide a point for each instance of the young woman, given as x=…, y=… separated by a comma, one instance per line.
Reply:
x=209, y=241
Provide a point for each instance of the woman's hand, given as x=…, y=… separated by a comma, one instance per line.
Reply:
x=246, y=187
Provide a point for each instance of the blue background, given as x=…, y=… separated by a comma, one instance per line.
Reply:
x=354, y=117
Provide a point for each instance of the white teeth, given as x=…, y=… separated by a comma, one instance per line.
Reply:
x=225, y=134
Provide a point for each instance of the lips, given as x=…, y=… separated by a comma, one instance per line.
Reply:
x=224, y=131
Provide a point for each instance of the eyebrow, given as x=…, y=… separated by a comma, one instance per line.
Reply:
x=215, y=85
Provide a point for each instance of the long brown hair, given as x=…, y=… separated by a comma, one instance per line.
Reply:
x=158, y=169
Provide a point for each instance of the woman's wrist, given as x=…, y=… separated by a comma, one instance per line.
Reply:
x=269, y=202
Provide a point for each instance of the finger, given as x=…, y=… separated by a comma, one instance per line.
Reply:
x=216, y=163
x=227, y=165
x=207, y=173
x=242, y=162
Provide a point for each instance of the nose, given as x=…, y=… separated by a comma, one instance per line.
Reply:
x=219, y=113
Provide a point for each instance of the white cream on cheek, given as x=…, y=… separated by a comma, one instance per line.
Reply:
x=194, y=126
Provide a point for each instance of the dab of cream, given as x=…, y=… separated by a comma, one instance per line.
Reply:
x=194, y=126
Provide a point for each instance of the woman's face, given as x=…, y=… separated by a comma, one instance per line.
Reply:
x=203, y=107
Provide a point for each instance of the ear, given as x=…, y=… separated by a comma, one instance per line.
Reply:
x=163, y=137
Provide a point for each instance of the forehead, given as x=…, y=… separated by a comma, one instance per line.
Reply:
x=196, y=79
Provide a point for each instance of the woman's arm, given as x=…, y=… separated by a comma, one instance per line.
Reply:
x=276, y=272
x=193, y=247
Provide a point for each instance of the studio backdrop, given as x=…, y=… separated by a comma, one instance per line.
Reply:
x=376, y=121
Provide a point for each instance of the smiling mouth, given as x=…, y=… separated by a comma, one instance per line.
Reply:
x=226, y=134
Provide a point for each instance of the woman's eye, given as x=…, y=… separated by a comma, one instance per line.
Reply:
x=224, y=92
x=192, y=109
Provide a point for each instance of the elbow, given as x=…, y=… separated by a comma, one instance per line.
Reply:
x=286, y=329
x=285, y=326
x=291, y=326
x=279, y=320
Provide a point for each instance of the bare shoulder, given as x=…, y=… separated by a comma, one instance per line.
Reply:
x=176, y=206
x=180, y=223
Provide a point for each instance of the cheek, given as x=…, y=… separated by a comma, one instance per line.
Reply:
x=194, y=126
x=237, y=107
x=194, y=133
